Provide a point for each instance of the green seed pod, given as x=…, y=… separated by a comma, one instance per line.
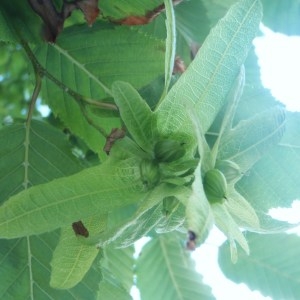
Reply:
x=215, y=186
x=168, y=150
x=149, y=172
x=230, y=169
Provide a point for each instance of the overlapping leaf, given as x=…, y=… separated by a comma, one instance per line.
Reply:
x=208, y=79
x=73, y=258
x=274, y=180
x=271, y=267
x=42, y=208
x=250, y=139
x=30, y=156
x=108, y=54
x=167, y=266
x=120, y=262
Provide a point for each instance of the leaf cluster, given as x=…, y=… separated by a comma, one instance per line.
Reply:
x=186, y=151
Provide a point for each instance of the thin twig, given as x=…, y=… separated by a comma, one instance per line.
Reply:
x=81, y=100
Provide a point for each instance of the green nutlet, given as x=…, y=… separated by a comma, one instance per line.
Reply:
x=168, y=150
x=149, y=172
x=230, y=170
x=215, y=186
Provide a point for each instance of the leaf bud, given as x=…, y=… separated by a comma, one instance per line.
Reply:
x=168, y=150
x=149, y=172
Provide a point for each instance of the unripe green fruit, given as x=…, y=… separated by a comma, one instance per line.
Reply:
x=168, y=150
x=229, y=168
x=149, y=172
x=215, y=186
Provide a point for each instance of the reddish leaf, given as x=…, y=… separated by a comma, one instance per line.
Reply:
x=114, y=135
x=142, y=20
x=90, y=10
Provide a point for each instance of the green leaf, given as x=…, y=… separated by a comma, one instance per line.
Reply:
x=46, y=207
x=271, y=268
x=204, y=85
x=241, y=211
x=246, y=143
x=198, y=212
x=30, y=155
x=282, y=16
x=135, y=113
x=124, y=8
x=169, y=269
x=72, y=258
x=108, y=54
x=6, y=34
x=120, y=263
x=274, y=180
x=170, y=44
x=230, y=228
x=111, y=288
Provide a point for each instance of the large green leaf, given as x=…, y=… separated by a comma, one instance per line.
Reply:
x=246, y=143
x=114, y=184
x=108, y=54
x=274, y=180
x=272, y=267
x=282, y=16
x=205, y=84
x=120, y=262
x=30, y=155
x=165, y=271
x=111, y=288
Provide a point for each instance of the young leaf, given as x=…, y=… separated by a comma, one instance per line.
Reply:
x=204, y=86
x=170, y=44
x=241, y=210
x=272, y=267
x=246, y=143
x=56, y=204
x=198, y=212
x=135, y=113
x=228, y=226
x=72, y=259
x=170, y=270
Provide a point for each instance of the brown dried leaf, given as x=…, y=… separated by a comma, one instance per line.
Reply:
x=142, y=20
x=114, y=135
x=90, y=10
x=80, y=229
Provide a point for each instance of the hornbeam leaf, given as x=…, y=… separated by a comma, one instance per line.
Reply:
x=120, y=262
x=272, y=267
x=99, y=189
x=30, y=155
x=246, y=143
x=166, y=271
x=208, y=79
x=107, y=54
